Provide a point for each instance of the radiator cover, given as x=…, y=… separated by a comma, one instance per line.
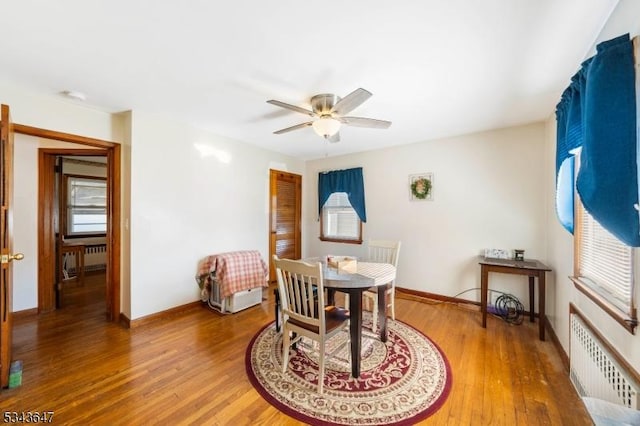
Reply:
x=236, y=302
x=594, y=371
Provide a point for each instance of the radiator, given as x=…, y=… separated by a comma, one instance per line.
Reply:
x=594, y=371
x=95, y=259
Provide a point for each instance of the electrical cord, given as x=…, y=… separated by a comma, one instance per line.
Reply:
x=509, y=308
x=465, y=291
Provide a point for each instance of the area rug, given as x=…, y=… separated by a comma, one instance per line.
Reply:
x=402, y=381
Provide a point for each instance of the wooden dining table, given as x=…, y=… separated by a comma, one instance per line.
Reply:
x=367, y=275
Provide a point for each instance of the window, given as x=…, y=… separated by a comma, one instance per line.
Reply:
x=341, y=205
x=86, y=203
x=604, y=269
x=339, y=221
x=596, y=119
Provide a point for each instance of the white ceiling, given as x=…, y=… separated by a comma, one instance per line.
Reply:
x=435, y=68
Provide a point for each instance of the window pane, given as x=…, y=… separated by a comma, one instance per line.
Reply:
x=86, y=205
x=339, y=219
x=89, y=223
x=85, y=192
x=606, y=262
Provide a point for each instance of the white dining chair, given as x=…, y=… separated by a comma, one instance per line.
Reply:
x=382, y=251
x=304, y=313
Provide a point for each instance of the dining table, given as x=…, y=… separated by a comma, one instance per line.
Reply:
x=365, y=276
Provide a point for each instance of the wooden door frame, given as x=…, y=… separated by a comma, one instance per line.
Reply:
x=46, y=234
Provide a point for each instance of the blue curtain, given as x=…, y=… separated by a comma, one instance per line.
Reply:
x=569, y=137
x=349, y=181
x=598, y=113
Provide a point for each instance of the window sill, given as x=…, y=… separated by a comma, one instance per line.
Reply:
x=626, y=320
x=337, y=240
x=88, y=235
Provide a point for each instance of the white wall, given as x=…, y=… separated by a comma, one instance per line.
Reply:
x=559, y=248
x=488, y=193
x=54, y=112
x=192, y=194
x=125, y=229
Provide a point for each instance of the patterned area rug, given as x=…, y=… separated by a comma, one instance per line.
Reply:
x=402, y=381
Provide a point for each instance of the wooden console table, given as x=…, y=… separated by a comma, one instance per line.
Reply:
x=529, y=267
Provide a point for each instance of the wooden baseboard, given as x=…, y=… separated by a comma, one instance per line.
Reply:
x=129, y=323
x=124, y=320
x=556, y=342
x=421, y=295
x=25, y=313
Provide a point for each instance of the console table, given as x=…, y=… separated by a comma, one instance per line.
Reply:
x=528, y=267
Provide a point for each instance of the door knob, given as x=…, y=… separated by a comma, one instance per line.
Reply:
x=6, y=258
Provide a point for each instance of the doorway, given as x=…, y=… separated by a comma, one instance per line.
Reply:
x=80, y=219
x=47, y=238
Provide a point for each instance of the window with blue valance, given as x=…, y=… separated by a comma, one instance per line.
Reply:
x=349, y=181
x=597, y=113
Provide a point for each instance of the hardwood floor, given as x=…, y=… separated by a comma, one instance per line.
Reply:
x=188, y=368
x=90, y=293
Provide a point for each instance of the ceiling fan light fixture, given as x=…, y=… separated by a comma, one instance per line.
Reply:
x=329, y=113
x=326, y=126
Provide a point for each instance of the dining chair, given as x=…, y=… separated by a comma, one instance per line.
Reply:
x=382, y=251
x=276, y=294
x=303, y=310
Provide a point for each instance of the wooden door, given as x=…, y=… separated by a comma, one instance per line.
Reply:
x=285, y=238
x=6, y=198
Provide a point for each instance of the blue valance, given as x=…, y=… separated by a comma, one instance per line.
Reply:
x=597, y=113
x=349, y=181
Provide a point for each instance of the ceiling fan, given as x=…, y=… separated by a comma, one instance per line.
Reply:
x=329, y=112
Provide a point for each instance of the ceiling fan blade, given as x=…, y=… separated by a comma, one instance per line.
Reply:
x=365, y=122
x=335, y=138
x=296, y=127
x=351, y=101
x=292, y=107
